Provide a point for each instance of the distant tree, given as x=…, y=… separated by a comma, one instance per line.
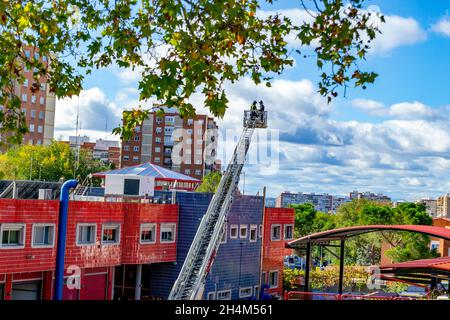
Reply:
x=179, y=47
x=305, y=215
x=210, y=182
x=48, y=163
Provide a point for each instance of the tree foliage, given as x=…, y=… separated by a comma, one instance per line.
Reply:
x=178, y=46
x=210, y=182
x=48, y=163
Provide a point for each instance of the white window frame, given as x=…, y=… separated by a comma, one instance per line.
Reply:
x=135, y=158
x=236, y=227
x=223, y=291
x=270, y=278
x=126, y=148
x=187, y=171
x=165, y=225
x=31, y=127
x=126, y=158
x=147, y=225
x=284, y=231
x=261, y=230
x=271, y=232
x=13, y=226
x=157, y=149
x=253, y=227
x=243, y=227
x=40, y=129
x=77, y=241
x=246, y=295
x=211, y=295
x=107, y=226
x=136, y=148
x=24, y=97
x=33, y=231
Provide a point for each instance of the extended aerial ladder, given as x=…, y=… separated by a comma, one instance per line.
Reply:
x=199, y=260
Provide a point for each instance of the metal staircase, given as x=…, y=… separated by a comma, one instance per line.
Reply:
x=198, y=262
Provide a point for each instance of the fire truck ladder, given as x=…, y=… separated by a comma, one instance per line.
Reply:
x=198, y=262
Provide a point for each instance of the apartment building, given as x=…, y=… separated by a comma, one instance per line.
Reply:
x=321, y=202
x=430, y=206
x=443, y=206
x=106, y=151
x=188, y=146
x=37, y=105
x=369, y=196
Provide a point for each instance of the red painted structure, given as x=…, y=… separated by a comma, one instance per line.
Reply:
x=274, y=250
x=28, y=266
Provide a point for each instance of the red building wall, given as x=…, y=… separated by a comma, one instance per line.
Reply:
x=95, y=262
x=136, y=253
x=274, y=250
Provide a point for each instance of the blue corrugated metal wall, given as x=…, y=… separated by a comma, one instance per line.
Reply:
x=237, y=263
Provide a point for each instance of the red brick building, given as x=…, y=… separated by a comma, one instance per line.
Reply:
x=100, y=236
x=278, y=229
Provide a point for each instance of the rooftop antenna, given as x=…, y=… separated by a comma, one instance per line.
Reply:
x=77, y=146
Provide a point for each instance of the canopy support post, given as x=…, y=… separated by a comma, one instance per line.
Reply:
x=341, y=266
x=307, y=266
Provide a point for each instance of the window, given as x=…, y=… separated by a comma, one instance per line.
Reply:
x=168, y=130
x=137, y=138
x=261, y=230
x=33, y=114
x=43, y=235
x=198, y=152
x=168, y=232
x=157, y=149
x=137, y=129
x=40, y=129
x=126, y=148
x=157, y=159
x=136, y=148
x=187, y=151
x=42, y=86
x=187, y=171
x=263, y=278
x=245, y=292
x=36, y=55
x=187, y=161
x=39, y=142
x=41, y=100
x=44, y=58
x=243, y=232
x=148, y=233
x=211, y=296
x=199, y=131
x=86, y=234
x=24, y=110
x=200, y=122
x=27, y=53
x=224, y=235
x=253, y=233
x=198, y=172
x=224, y=295
x=126, y=158
x=111, y=234
x=273, y=279
x=24, y=97
x=199, y=142
x=158, y=140
x=33, y=99
x=158, y=120
x=169, y=119
x=288, y=232
x=233, y=231
x=275, y=233
x=135, y=159
x=158, y=130
x=189, y=131
x=25, y=83
x=41, y=115
x=189, y=141
x=190, y=122
x=12, y=235
x=31, y=127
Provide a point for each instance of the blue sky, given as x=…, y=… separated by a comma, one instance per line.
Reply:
x=393, y=137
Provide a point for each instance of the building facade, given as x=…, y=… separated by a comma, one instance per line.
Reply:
x=188, y=146
x=430, y=206
x=321, y=202
x=106, y=151
x=37, y=103
x=355, y=195
x=443, y=206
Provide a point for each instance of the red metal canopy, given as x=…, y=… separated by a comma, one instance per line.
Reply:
x=343, y=233
x=442, y=263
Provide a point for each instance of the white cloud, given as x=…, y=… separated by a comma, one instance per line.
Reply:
x=403, y=110
x=396, y=32
x=442, y=26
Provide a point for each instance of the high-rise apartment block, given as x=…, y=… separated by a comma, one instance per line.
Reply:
x=185, y=145
x=38, y=106
x=321, y=202
x=106, y=151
